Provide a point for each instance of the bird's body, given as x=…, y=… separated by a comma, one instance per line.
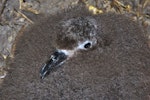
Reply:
x=116, y=68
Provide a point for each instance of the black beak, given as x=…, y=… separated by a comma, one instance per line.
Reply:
x=56, y=59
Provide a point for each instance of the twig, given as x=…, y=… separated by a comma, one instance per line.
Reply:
x=3, y=7
x=24, y=16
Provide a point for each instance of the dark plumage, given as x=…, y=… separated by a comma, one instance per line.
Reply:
x=116, y=68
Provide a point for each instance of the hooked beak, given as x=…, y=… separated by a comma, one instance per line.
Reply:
x=56, y=59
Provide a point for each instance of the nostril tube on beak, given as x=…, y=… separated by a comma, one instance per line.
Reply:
x=56, y=59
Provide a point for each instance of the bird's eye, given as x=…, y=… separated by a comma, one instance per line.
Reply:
x=87, y=45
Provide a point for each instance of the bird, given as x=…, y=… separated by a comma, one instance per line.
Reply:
x=75, y=55
x=76, y=34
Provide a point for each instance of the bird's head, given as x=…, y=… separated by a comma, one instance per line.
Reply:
x=76, y=34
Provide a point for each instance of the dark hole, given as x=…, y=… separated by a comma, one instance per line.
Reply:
x=87, y=45
x=24, y=1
